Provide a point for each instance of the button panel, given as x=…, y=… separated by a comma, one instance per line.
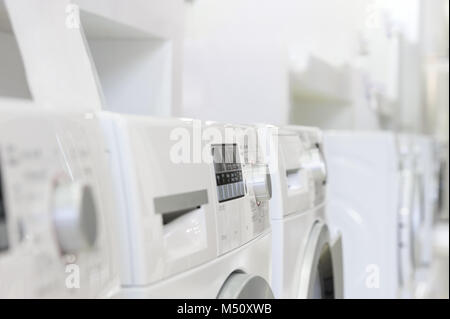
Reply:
x=229, y=178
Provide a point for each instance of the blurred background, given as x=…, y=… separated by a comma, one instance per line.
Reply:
x=339, y=64
x=335, y=64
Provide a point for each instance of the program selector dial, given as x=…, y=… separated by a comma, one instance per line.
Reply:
x=260, y=182
x=316, y=165
x=74, y=217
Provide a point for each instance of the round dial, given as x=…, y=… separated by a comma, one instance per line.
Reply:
x=316, y=165
x=260, y=182
x=74, y=217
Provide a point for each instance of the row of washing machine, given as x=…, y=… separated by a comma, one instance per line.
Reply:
x=102, y=205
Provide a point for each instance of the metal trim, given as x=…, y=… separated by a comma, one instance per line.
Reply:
x=318, y=243
x=240, y=285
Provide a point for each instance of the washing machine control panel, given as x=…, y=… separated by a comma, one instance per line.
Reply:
x=54, y=208
x=228, y=171
x=243, y=188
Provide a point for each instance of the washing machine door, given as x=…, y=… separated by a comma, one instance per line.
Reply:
x=318, y=274
x=240, y=285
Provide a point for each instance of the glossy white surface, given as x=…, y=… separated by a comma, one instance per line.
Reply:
x=41, y=152
x=206, y=280
x=297, y=204
x=363, y=193
x=147, y=167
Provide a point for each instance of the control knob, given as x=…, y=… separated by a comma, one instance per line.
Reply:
x=74, y=217
x=260, y=182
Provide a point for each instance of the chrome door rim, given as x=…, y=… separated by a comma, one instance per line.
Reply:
x=318, y=243
x=240, y=285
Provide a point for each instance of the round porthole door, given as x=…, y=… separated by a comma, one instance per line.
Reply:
x=317, y=275
x=240, y=285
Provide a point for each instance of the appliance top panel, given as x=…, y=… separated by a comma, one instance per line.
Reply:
x=243, y=184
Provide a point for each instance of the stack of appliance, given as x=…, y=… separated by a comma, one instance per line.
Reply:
x=100, y=205
x=107, y=205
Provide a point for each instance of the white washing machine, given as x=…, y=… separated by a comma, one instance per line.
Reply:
x=419, y=165
x=428, y=171
x=426, y=177
x=193, y=220
x=363, y=194
x=410, y=214
x=303, y=264
x=54, y=206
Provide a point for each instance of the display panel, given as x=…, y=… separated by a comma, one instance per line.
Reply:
x=3, y=230
x=228, y=169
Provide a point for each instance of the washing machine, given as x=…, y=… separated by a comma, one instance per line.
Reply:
x=427, y=172
x=55, y=200
x=193, y=218
x=363, y=195
x=410, y=215
x=303, y=265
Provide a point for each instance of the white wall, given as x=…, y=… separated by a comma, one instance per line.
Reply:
x=234, y=61
x=238, y=54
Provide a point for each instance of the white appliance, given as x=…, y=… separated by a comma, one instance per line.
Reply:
x=303, y=263
x=443, y=181
x=410, y=214
x=427, y=172
x=363, y=195
x=55, y=239
x=193, y=220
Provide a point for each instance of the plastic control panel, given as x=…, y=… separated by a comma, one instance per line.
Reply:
x=56, y=233
x=228, y=169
